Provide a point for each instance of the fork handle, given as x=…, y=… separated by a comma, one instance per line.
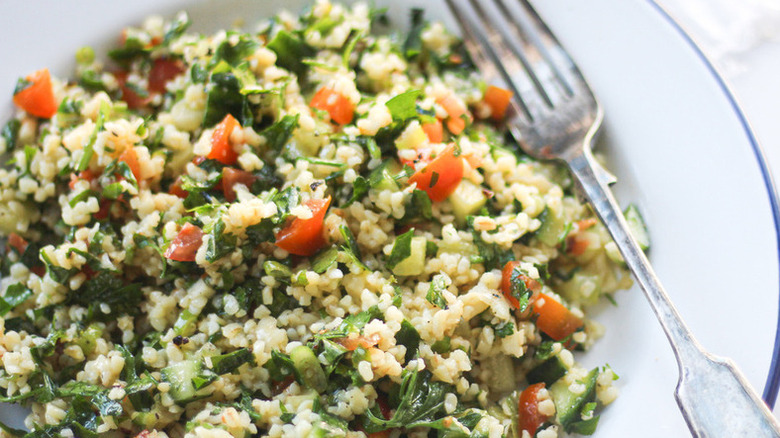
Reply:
x=715, y=398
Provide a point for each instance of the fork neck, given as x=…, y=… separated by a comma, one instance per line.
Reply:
x=592, y=181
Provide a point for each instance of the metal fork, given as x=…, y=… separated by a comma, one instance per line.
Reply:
x=554, y=116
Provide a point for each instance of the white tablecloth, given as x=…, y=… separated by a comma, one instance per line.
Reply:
x=742, y=39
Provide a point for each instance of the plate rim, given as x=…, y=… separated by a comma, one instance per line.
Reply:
x=772, y=384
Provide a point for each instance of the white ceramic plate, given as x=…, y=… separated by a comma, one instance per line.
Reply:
x=673, y=135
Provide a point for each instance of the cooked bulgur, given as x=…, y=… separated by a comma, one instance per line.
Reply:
x=310, y=229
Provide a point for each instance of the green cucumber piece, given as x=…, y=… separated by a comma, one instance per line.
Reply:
x=548, y=371
x=568, y=405
x=308, y=368
x=637, y=227
x=466, y=200
x=186, y=378
x=554, y=227
x=415, y=263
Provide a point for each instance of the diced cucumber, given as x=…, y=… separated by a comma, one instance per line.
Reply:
x=554, y=227
x=548, y=371
x=568, y=405
x=145, y=420
x=411, y=137
x=186, y=378
x=87, y=340
x=499, y=152
x=309, y=369
x=581, y=287
x=613, y=253
x=415, y=263
x=324, y=260
x=185, y=324
x=502, y=374
x=466, y=200
x=637, y=227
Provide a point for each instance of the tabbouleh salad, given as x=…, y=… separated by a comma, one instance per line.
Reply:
x=310, y=229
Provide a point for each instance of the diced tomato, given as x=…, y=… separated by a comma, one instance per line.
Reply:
x=144, y=434
x=456, y=112
x=130, y=157
x=86, y=175
x=279, y=387
x=231, y=177
x=176, y=189
x=304, y=236
x=130, y=96
x=197, y=160
x=105, y=209
x=352, y=344
x=456, y=126
x=17, y=242
x=221, y=149
x=163, y=70
x=528, y=409
x=584, y=224
x=185, y=245
x=434, y=131
x=441, y=176
x=555, y=320
x=576, y=244
x=498, y=100
x=37, y=98
x=506, y=283
x=338, y=106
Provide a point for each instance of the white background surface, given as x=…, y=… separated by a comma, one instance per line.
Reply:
x=742, y=39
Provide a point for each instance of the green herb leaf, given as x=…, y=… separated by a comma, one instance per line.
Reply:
x=229, y=362
x=404, y=105
x=402, y=248
x=14, y=295
x=290, y=51
x=221, y=243
x=413, y=44
x=409, y=337
x=278, y=134
x=435, y=291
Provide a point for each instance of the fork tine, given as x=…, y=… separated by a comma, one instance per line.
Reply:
x=493, y=57
x=537, y=31
x=520, y=32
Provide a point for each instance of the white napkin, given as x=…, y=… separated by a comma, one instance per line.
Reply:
x=726, y=29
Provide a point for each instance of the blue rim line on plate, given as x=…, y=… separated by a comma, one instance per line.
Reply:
x=773, y=377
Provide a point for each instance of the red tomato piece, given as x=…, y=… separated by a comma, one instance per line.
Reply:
x=105, y=209
x=17, y=242
x=506, y=283
x=441, y=176
x=555, y=320
x=176, y=189
x=130, y=157
x=528, y=409
x=221, y=149
x=434, y=131
x=185, y=245
x=130, y=96
x=498, y=100
x=231, y=177
x=38, y=97
x=86, y=175
x=576, y=244
x=163, y=70
x=339, y=107
x=304, y=236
